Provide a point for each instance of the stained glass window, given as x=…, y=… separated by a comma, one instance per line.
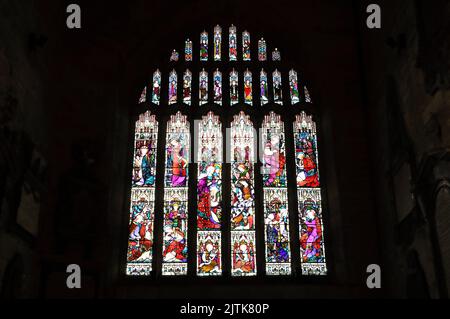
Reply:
x=262, y=50
x=217, y=43
x=140, y=236
x=204, y=46
x=203, y=87
x=307, y=95
x=209, y=200
x=207, y=237
x=276, y=213
x=246, y=46
x=312, y=248
x=156, y=87
x=243, y=237
x=276, y=56
x=232, y=43
x=248, y=94
x=293, y=87
x=187, y=87
x=143, y=96
x=176, y=196
x=218, y=87
x=174, y=56
x=263, y=88
x=234, y=90
x=277, y=90
x=173, y=81
x=188, y=50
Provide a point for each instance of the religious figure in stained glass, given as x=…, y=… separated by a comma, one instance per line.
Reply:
x=276, y=216
x=264, y=92
x=174, y=56
x=208, y=256
x=243, y=254
x=203, y=87
x=217, y=43
x=209, y=194
x=232, y=43
x=218, y=87
x=276, y=55
x=204, y=46
x=156, y=87
x=277, y=91
x=305, y=138
x=248, y=95
x=234, y=93
x=140, y=239
x=246, y=46
x=242, y=197
x=312, y=247
x=277, y=232
x=293, y=87
x=187, y=85
x=173, y=87
x=176, y=196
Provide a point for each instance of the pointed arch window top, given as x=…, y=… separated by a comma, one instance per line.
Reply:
x=178, y=123
x=298, y=92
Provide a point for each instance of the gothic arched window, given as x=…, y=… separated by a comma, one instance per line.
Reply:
x=225, y=168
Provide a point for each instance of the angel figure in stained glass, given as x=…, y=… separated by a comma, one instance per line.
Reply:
x=176, y=251
x=277, y=236
x=179, y=164
x=208, y=257
x=274, y=162
x=311, y=239
x=243, y=257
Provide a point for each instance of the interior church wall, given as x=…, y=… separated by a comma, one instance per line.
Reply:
x=407, y=103
x=22, y=142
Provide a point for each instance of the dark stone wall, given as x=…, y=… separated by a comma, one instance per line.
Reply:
x=407, y=99
x=23, y=140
